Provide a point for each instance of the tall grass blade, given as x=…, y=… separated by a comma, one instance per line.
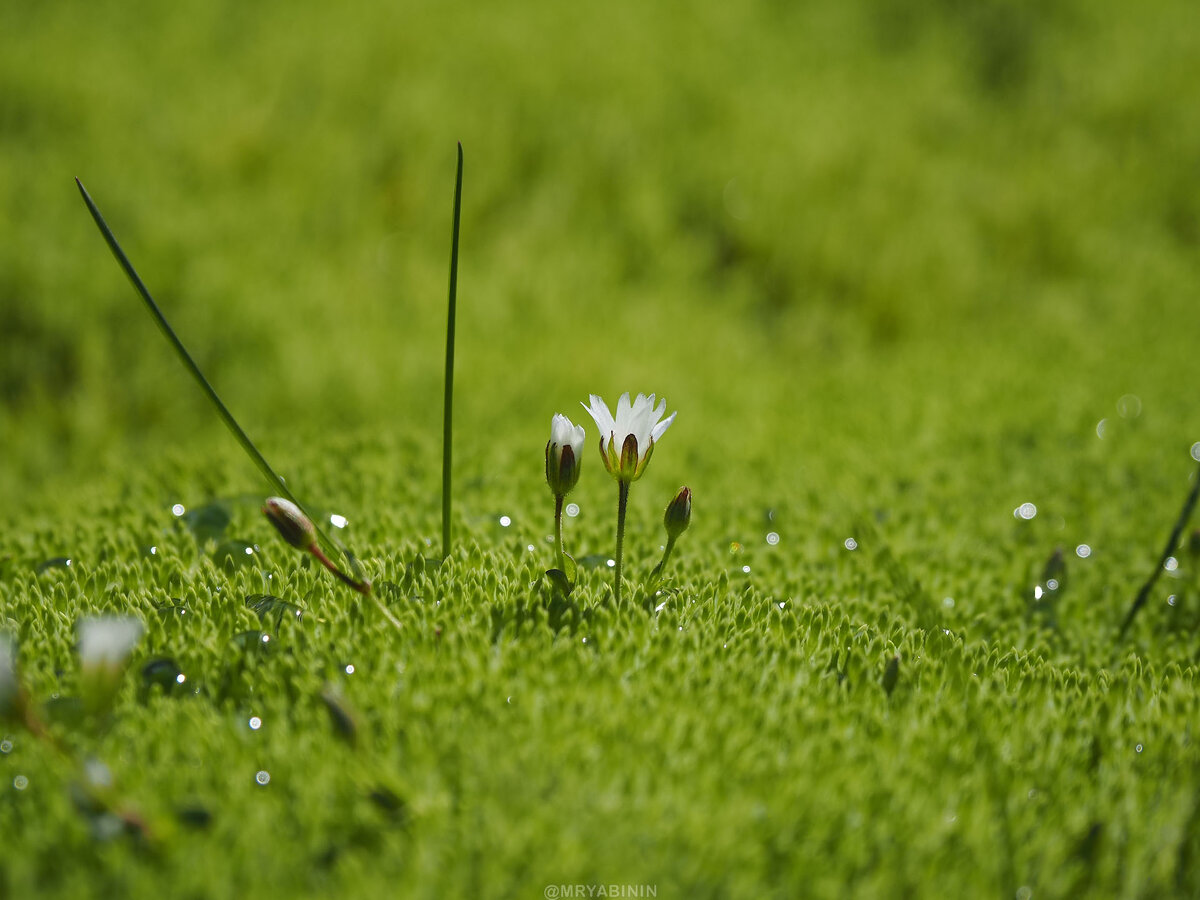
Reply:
x=448, y=407
x=190, y=364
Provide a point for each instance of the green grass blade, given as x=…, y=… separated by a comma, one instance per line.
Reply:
x=448, y=407
x=190, y=364
x=1142, y=595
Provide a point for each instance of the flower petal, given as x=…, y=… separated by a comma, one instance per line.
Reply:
x=663, y=425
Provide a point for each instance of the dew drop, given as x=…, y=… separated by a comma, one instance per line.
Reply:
x=180, y=678
x=337, y=521
x=1196, y=451
x=1083, y=551
x=1138, y=748
x=178, y=509
x=20, y=782
x=1101, y=428
x=1024, y=892
x=1129, y=406
x=1171, y=564
x=350, y=669
x=1171, y=600
x=772, y=538
x=263, y=777
x=850, y=544
x=1025, y=511
x=611, y=563
x=1037, y=592
x=530, y=548
x=746, y=570
x=1052, y=584
x=948, y=602
x=572, y=509
x=6, y=746
x=505, y=521
x=255, y=723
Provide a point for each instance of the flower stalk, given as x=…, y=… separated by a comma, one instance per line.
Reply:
x=626, y=444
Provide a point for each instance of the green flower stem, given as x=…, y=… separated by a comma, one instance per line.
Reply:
x=558, y=539
x=622, y=502
x=666, y=554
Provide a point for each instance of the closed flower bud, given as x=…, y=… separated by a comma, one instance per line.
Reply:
x=679, y=513
x=563, y=454
x=293, y=525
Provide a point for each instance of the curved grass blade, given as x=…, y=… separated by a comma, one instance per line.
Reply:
x=448, y=407
x=190, y=364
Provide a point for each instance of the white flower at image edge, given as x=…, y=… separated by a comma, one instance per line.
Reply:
x=108, y=640
x=564, y=454
x=627, y=439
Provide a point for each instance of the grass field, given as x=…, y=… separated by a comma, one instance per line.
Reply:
x=900, y=268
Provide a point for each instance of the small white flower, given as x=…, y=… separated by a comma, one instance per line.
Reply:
x=627, y=439
x=108, y=640
x=563, y=454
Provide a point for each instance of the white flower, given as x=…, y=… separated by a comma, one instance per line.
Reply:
x=627, y=439
x=108, y=640
x=563, y=454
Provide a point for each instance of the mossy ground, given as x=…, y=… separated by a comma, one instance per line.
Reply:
x=900, y=269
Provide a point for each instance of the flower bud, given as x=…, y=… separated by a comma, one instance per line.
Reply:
x=293, y=525
x=679, y=513
x=563, y=455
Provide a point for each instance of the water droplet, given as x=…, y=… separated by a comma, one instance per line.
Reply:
x=772, y=538
x=746, y=570
x=20, y=782
x=948, y=602
x=1032, y=793
x=1083, y=551
x=1025, y=511
x=1101, y=428
x=266, y=639
x=1037, y=592
x=505, y=521
x=337, y=521
x=530, y=548
x=180, y=678
x=350, y=669
x=1196, y=451
x=850, y=544
x=1170, y=564
x=1129, y=406
x=6, y=746
x=1052, y=584
x=509, y=700
x=572, y=509
x=660, y=606
x=782, y=604
x=1024, y=892
x=255, y=723
x=178, y=509
x=1171, y=600
x=611, y=563
x=585, y=640
x=1138, y=748
x=263, y=777
x=154, y=551
x=57, y=562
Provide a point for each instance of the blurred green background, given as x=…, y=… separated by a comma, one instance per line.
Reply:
x=858, y=245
